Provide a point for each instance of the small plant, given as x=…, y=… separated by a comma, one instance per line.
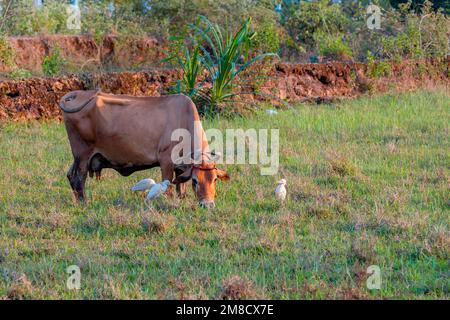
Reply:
x=376, y=68
x=53, y=64
x=20, y=74
x=421, y=70
x=332, y=46
x=224, y=56
x=191, y=67
x=237, y=288
x=6, y=52
x=268, y=37
x=314, y=16
x=26, y=19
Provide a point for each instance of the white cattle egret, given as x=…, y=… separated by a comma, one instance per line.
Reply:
x=158, y=189
x=280, y=191
x=144, y=185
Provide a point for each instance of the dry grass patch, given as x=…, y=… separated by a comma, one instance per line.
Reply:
x=154, y=221
x=20, y=289
x=341, y=165
x=438, y=243
x=237, y=288
x=363, y=250
x=118, y=218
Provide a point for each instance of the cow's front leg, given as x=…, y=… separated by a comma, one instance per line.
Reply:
x=181, y=190
x=167, y=174
x=180, y=187
x=77, y=178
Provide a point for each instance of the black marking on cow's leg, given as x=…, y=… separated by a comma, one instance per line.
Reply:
x=80, y=181
x=72, y=172
x=77, y=178
x=72, y=176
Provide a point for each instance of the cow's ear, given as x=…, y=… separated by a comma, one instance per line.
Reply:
x=185, y=176
x=222, y=175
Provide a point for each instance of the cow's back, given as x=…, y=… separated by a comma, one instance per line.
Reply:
x=130, y=130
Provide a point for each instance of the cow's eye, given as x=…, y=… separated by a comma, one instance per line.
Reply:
x=194, y=182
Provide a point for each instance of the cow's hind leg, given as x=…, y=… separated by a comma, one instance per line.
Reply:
x=77, y=177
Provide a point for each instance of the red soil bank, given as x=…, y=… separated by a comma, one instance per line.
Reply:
x=37, y=98
x=83, y=50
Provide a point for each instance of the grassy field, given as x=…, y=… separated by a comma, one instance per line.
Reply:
x=368, y=184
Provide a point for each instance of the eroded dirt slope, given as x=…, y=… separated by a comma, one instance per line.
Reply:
x=83, y=52
x=37, y=98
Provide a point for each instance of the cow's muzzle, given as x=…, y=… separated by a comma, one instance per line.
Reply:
x=208, y=204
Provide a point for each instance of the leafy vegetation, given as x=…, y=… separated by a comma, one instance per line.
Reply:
x=53, y=64
x=410, y=29
x=191, y=70
x=309, y=18
x=367, y=185
x=267, y=39
x=23, y=18
x=421, y=35
x=377, y=68
x=332, y=46
x=223, y=56
x=6, y=53
x=19, y=73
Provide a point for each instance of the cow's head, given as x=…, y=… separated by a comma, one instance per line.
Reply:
x=204, y=178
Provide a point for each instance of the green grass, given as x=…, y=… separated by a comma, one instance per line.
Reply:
x=367, y=184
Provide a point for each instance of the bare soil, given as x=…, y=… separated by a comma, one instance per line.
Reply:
x=37, y=98
x=84, y=51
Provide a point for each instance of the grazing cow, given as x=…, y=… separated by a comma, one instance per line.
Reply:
x=129, y=134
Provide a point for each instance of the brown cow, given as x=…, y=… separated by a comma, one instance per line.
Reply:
x=129, y=134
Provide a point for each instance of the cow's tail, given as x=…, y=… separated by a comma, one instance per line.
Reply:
x=70, y=97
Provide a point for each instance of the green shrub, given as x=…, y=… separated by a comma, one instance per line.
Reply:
x=332, y=46
x=97, y=20
x=53, y=64
x=223, y=55
x=176, y=14
x=411, y=34
x=26, y=19
x=20, y=74
x=310, y=18
x=416, y=4
x=6, y=52
x=191, y=67
x=414, y=30
x=223, y=64
x=376, y=68
x=267, y=38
